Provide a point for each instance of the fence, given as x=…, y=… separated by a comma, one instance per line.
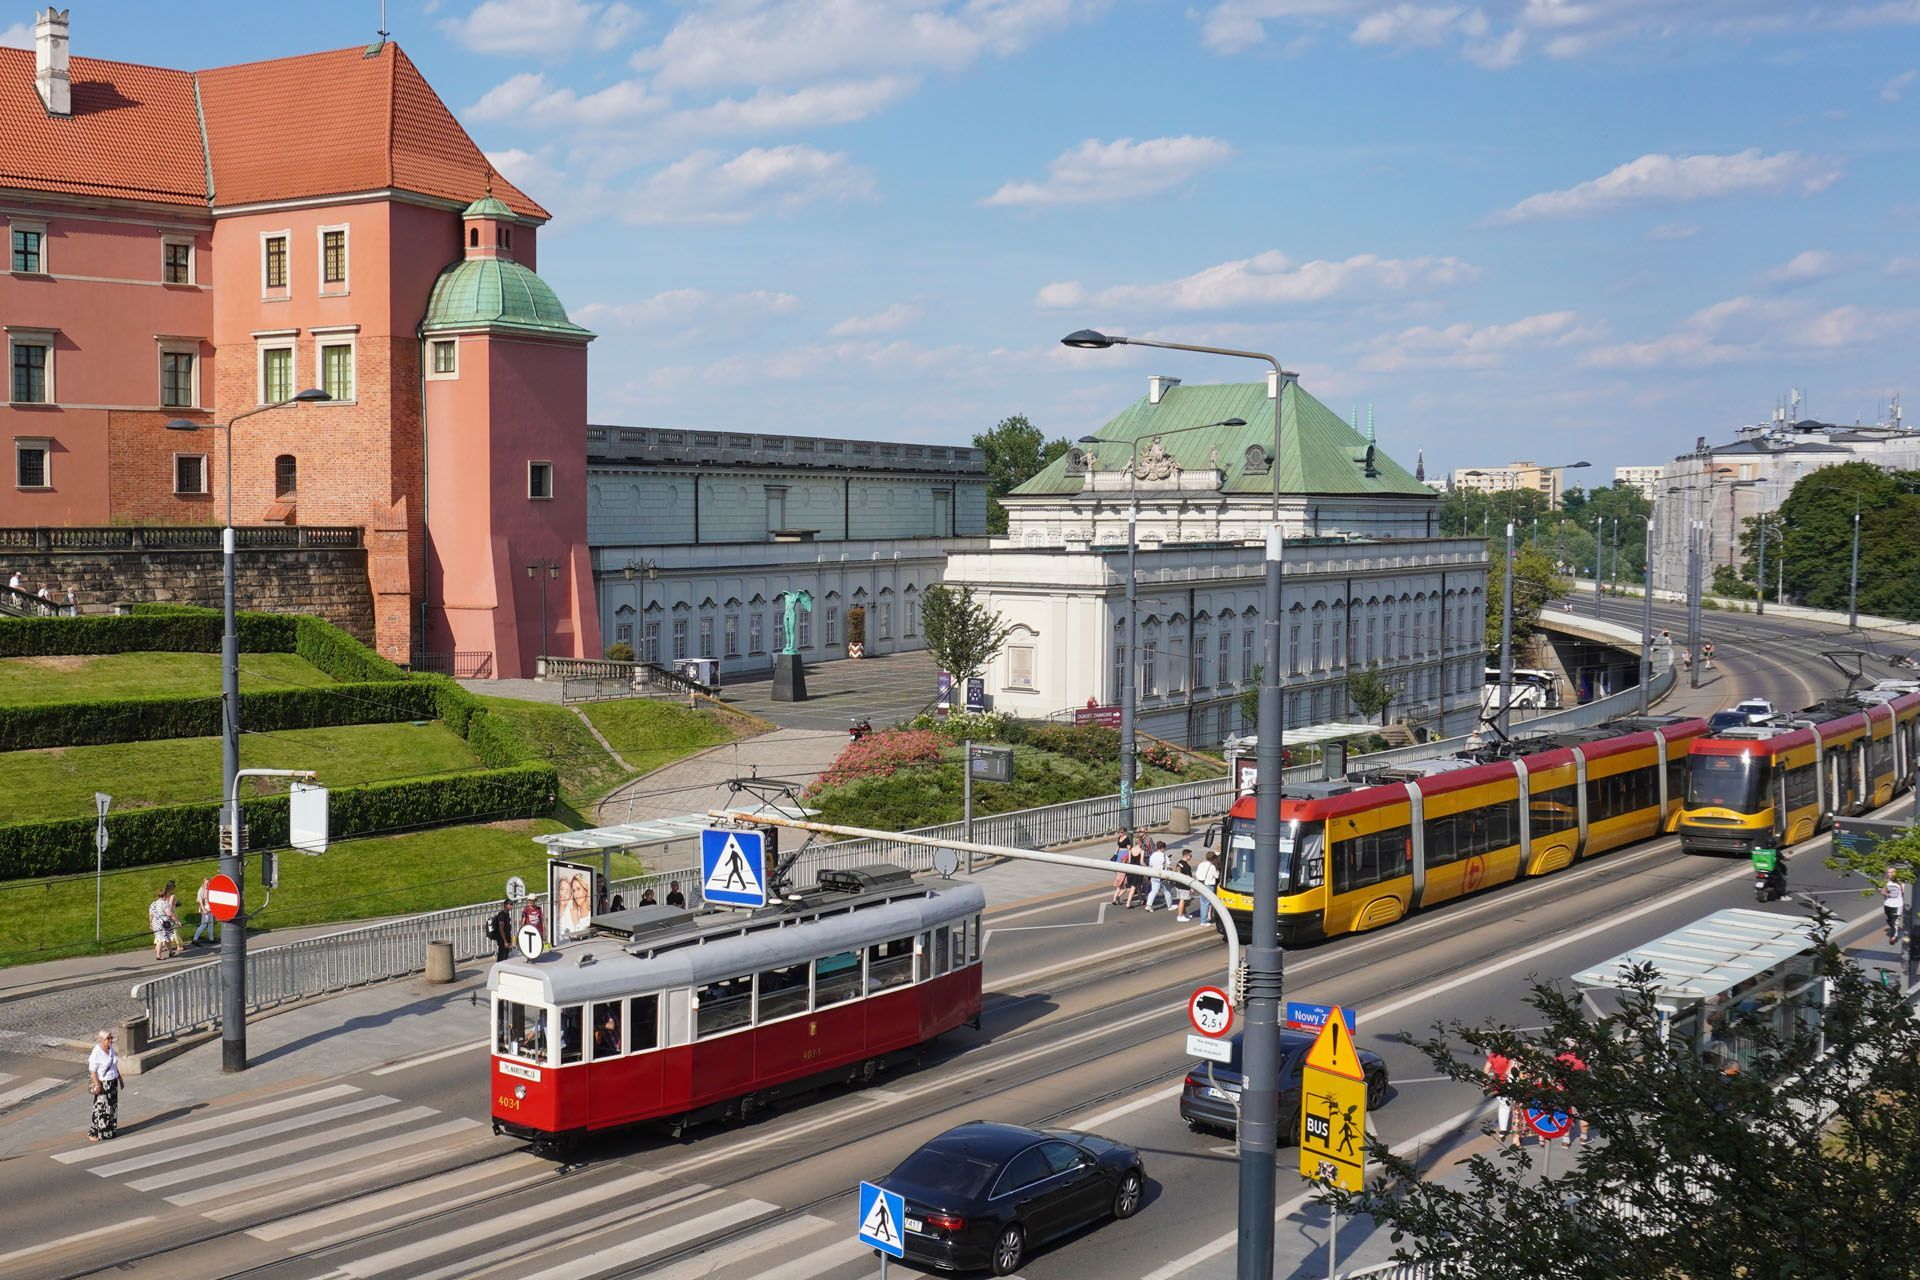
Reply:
x=176, y=537
x=462, y=664
x=25, y=604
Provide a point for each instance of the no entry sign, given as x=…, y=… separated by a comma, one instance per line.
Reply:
x=223, y=897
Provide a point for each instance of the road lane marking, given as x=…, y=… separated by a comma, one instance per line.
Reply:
x=242, y=1137
x=380, y=1201
x=1111, y=1114
x=217, y=1120
x=25, y=1091
x=656, y=1241
x=387, y=1122
x=255, y=1204
x=65, y=1241
x=407, y=1064
x=709, y=1261
x=365, y=1153
x=817, y=1262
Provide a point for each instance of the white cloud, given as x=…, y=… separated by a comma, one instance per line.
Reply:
x=708, y=187
x=528, y=98
x=896, y=317
x=1756, y=329
x=842, y=102
x=1498, y=33
x=683, y=310
x=1122, y=169
x=1269, y=278
x=792, y=42
x=545, y=28
x=1893, y=89
x=17, y=36
x=1904, y=266
x=1659, y=178
x=1674, y=231
x=1808, y=265
x=527, y=170
x=1840, y=327
x=1462, y=346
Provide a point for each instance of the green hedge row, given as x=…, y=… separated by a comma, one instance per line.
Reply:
x=104, y=720
x=142, y=837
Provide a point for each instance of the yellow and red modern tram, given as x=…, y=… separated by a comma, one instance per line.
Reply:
x=1365, y=851
x=1778, y=783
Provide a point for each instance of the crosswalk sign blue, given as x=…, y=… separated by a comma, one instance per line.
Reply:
x=733, y=867
x=883, y=1215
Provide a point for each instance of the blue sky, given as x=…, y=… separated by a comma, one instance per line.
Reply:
x=1524, y=228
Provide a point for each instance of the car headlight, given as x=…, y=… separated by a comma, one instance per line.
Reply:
x=520, y=1091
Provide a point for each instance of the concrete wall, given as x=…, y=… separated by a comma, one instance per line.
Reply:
x=655, y=506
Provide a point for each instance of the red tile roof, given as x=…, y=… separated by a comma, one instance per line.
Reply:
x=319, y=124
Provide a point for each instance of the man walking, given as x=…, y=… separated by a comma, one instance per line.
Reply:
x=1208, y=876
x=500, y=928
x=1158, y=889
x=1893, y=900
x=205, y=927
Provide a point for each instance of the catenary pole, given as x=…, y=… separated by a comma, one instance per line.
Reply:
x=1646, y=624
x=1853, y=574
x=1506, y=637
x=1760, y=577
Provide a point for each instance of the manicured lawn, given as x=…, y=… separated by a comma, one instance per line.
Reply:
x=59, y=782
x=25, y=681
x=648, y=733
x=356, y=879
x=587, y=772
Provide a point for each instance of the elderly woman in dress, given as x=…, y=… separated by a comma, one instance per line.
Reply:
x=103, y=1076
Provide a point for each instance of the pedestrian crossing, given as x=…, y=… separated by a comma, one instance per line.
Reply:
x=25, y=1089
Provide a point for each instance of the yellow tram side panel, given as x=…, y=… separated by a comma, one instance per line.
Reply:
x=1850, y=745
x=1498, y=866
x=1374, y=905
x=1880, y=783
x=1636, y=824
x=1556, y=849
x=1676, y=785
x=1799, y=822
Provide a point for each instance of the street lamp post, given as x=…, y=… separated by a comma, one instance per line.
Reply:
x=648, y=571
x=1646, y=623
x=1129, y=678
x=1697, y=533
x=1760, y=575
x=233, y=938
x=1853, y=574
x=553, y=571
x=1506, y=637
x=1260, y=1046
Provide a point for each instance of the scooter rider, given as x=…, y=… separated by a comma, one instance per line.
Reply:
x=1769, y=873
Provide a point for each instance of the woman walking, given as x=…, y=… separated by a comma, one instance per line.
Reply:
x=103, y=1074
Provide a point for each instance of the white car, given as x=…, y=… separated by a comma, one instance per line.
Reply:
x=1757, y=710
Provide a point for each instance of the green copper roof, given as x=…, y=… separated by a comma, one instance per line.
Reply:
x=1319, y=453
x=488, y=207
x=498, y=293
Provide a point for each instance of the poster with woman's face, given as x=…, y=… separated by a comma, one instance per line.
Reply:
x=572, y=891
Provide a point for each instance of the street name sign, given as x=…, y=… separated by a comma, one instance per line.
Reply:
x=1312, y=1017
x=1333, y=1109
x=733, y=867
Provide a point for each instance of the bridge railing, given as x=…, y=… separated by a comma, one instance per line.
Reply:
x=186, y=537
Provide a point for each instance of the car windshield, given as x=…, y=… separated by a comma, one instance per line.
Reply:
x=1302, y=847
x=1726, y=719
x=1727, y=782
x=945, y=1172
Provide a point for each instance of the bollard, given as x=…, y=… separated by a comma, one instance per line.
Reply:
x=1179, y=820
x=439, y=962
x=133, y=1034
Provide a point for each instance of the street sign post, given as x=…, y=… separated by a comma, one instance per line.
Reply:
x=883, y=1222
x=1333, y=1116
x=516, y=888
x=223, y=898
x=733, y=867
x=100, y=802
x=1210, y=1012
x=1548, y=1124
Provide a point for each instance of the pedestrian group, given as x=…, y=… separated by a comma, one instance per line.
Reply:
x=1153, y=892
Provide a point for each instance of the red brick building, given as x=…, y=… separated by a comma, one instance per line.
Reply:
x=195, y=245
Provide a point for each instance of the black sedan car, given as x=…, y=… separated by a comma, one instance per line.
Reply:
x=983, y=1194
x=1208, y=1102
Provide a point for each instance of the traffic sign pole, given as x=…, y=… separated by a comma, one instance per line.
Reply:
x=100, y=802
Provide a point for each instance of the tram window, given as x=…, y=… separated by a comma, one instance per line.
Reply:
x=1442, y=840
x=836, y=979
x=1676, y=773
x=570, y=1038
x=606, y=1030
x=643, y=1022
x=1364, y=860
x=959, y=944
x=783, y=991
x=1802, y=786
x=1502, y=825
x=889, y=964
x=942, y=949
x=724, y=1006
x=923, y=958
x=1555, y=810
x=521, y=1031
x=973, y=940
x=1880, y=756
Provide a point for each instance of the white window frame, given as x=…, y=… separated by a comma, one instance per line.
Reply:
x=167, y=241
x=276, y=292
x=433, y=346
x=343, y=286
x=343, y=336
x=177, y=347
x=22, y=336
x=44, y=446
x=287, y=344
x=28, y=224
x=206, y=481
x=532, y=464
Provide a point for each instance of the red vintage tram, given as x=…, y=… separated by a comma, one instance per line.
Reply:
x=667, y=1014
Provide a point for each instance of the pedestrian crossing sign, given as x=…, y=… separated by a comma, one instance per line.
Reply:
x=733, y=867
x=881, y=1214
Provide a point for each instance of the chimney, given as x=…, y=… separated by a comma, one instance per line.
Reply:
x=50, y=61
x=1158, y=385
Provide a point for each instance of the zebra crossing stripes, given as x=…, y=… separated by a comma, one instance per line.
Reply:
x=32, y=1088
x=216, y=1120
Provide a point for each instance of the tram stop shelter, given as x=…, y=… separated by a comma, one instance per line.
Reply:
x=655, y=834
x=1729, y=966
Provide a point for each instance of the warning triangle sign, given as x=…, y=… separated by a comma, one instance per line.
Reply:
x=733, y=871
x=879, y=1224
x=1333, y=1049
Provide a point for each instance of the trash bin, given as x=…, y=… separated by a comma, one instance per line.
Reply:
x=1179, y=820
x=439, y=962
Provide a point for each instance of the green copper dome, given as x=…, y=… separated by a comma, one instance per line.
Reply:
x=488, y=206
x=497, y=293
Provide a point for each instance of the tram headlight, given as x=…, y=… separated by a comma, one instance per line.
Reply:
x=520, y=1092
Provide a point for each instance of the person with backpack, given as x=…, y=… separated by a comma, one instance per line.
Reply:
x=500, y=928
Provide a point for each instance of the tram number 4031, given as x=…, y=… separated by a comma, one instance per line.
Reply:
x=507, y=1102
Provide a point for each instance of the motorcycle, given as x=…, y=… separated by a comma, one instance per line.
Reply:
x=1769, y=875
x=858, y=727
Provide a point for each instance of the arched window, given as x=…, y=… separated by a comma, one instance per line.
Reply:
x=286, y=476
x=473, y=237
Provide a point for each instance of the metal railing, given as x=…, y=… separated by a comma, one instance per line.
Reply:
x=271, y=537
x=595, y=673
x=462, y=664
x=25, y=604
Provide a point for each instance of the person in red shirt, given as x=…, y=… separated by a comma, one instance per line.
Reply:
x=1573, y=1062
x=1499, y=1069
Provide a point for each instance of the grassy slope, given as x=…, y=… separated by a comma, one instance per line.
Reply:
x=59, y=782
x=649, y=734
x=26, y=681
x=587, y=772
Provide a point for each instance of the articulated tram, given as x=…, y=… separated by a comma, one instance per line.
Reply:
x=1779, y=782
x=1364, y=851
x=680, y=1016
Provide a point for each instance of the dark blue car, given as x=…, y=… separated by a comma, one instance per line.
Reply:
x=1210, y=1100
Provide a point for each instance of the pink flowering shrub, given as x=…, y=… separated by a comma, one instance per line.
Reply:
x=879, y=755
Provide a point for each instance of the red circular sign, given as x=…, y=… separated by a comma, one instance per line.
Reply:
x=223, y=897
x=1210, y=1012
x=1476, y=872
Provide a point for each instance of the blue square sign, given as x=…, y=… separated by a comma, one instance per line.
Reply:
x=733, y=867
x=883, y=1217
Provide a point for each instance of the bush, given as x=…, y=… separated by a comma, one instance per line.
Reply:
x=86, y=724
x=857, y=625
x=962, y=726
x=1160, y=756
x=879, y=755
x=1087, y=743
x=619, y=651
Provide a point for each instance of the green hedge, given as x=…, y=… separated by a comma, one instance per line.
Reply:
x=92, y=723
x=142, y=837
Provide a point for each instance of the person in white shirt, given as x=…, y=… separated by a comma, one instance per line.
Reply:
x=1158, y=889
x=14, y=581
x=205, y=927
x=1894, y=899
x=1208, y=875
x=103, y=1076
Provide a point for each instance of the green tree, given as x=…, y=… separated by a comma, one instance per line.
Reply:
x=1534, y=583
x=1810, y=540
x=1368, y=691
x=1789, y=1167
x=1250, y=698
x=1870, y=859
x=1731, y=583
x=963, y=635
x=1016, y=451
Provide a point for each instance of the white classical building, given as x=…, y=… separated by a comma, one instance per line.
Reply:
x=1368, y=582
x=696, y=535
